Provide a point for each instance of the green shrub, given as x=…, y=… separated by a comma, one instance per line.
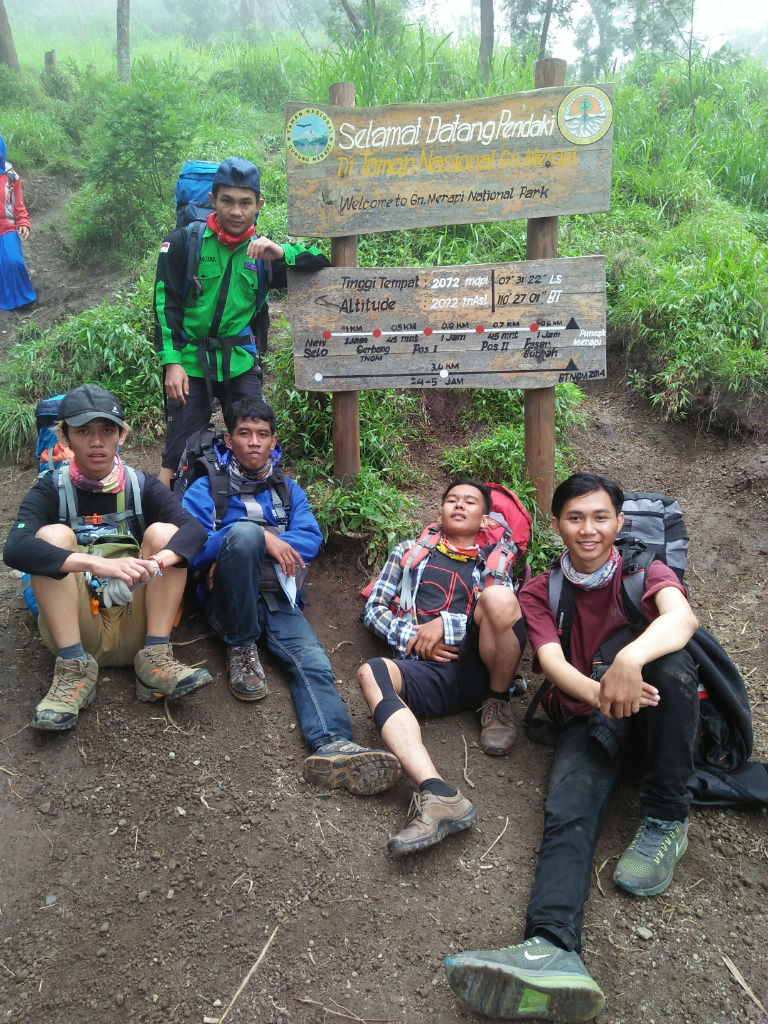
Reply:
x=109, y=345
x=33, y=137
x=13, y=89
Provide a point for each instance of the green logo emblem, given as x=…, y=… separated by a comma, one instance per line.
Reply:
x=585, y=115
x=310, y=135
x=20, y=526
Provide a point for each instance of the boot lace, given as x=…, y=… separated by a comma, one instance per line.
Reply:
x=246, y=662
x=419, y=802
x=653, y=838
x=495, y=708
x=68, y=682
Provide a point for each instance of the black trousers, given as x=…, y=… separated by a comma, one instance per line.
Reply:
x=582, y=780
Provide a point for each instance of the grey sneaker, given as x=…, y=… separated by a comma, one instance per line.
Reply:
x=343, y=764
x=246, y=676
x=73, y=688
x=535, y=979
x=645, y=868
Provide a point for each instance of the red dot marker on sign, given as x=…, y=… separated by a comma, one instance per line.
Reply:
x=376, y=332
x=427, y=332
x=534, y=327
x=479, y=328
x=327, y=335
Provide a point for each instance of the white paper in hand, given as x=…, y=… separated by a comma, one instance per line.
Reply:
x=288, y=583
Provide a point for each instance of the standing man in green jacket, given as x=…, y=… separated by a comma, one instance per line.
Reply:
x=211, y=305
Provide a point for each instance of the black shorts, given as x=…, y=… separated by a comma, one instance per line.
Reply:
x=183, y=420
x=434, y=689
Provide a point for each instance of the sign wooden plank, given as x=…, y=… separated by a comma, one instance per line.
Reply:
x=542, y=153
x=530, y=324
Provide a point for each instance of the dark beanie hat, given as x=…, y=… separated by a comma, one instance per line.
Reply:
x=239, y=173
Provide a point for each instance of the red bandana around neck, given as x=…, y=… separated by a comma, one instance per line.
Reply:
x=231, y=241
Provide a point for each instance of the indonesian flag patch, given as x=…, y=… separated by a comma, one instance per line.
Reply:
x=165, y=247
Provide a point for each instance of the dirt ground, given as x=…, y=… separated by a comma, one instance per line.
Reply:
x=147, y=855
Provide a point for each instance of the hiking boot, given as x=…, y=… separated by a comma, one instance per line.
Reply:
x=497, y=727
x=73, y=688
x=159, y=675
x=645, y=868
x=246, y=676
x=430, y=819
x=534, y=979
x=346, y=765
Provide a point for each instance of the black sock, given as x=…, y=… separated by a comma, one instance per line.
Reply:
x=438, y=787
x=73, y=652
x=497, y=696
x=152, y=641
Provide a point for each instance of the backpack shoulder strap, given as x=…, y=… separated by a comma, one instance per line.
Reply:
x=67, y=501
x=635, y=563
x=193, y=243
x=420, y=550
x=562, y=601
x=281, y=502
x=500, y=560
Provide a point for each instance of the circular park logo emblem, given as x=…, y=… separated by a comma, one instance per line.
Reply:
x=585, y=115
x=310, y=135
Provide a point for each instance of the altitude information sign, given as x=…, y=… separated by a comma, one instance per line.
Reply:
x=530, y=324
x=354, y=170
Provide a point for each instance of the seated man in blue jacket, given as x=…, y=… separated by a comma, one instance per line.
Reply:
x=255, y=564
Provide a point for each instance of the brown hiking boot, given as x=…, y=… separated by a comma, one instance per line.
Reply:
x=246, y=676
x=497, y=727
x=430, y=819
x=343, y=764
x=159, y=675
x=73, y=688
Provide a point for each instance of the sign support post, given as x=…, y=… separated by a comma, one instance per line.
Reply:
x=346, y=404
x=539, y=403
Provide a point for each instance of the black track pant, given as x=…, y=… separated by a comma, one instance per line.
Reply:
x=582, y=780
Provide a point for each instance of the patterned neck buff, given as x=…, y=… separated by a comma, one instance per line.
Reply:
x=445, y=547
x=231, y=241
x=244, y=480
x=113, y=482
x=591, y=581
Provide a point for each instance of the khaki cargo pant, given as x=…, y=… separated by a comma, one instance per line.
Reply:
x=114, y=636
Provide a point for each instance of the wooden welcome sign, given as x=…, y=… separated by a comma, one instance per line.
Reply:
x=354, y=170
x=530, y=324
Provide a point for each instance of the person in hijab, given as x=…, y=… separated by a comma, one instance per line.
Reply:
x=15, y=287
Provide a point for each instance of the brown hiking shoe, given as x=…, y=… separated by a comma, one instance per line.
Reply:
x=343, y=764
x=430, y=819
x=73, y=688
x=497, y=727
x=246, y=676
x=159, y=675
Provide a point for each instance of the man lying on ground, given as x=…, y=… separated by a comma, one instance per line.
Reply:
x=254, y=566
x=209, y=331
x=652, y=682
x=456, y=652
x=91, y=534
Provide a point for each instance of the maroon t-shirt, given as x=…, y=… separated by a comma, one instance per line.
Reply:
x=598, y=615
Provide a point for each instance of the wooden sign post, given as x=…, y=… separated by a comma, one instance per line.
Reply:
x=346, y=404
x=539, y=403
x=533, y=156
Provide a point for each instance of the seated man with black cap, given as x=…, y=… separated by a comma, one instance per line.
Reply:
x=91, y=535
x=212, y=305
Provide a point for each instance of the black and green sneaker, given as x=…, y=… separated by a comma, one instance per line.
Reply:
x=535, y=979
x=645, y=868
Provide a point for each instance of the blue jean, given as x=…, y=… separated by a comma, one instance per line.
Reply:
x=239, y=615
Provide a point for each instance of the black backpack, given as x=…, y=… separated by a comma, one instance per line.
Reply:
x=723, y=775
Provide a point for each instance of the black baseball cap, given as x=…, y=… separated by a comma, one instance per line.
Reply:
x=90, y=402
x=238, y=172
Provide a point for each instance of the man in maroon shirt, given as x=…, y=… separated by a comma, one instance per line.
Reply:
x=648, y=699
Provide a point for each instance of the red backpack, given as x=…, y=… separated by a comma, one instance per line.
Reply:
x=509, y=536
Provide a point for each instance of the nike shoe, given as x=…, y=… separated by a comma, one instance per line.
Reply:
x=534, y=980
x=73, y=688
x=645, y=868
x=343, y=764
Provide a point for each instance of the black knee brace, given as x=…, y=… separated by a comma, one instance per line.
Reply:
x=520, y=632
x=390, y=702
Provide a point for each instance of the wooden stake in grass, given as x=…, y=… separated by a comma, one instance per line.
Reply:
x=249, y=975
